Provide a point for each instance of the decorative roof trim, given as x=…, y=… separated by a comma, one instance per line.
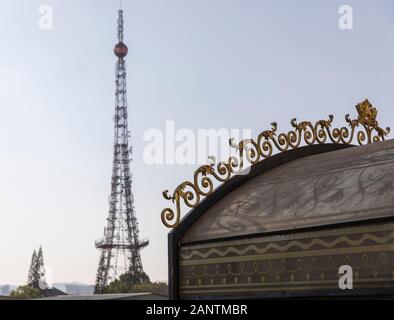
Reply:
x=364, y=130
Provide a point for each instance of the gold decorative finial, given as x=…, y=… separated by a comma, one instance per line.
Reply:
x=367, y=113
x=365, y=128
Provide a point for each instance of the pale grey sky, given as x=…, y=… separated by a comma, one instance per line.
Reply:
x=204, y=64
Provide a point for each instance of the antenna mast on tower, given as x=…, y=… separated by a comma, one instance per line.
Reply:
x=120, y=247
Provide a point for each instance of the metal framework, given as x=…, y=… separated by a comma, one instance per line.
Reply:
x=120, y=247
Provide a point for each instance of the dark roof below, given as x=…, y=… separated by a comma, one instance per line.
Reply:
x=52, y=292
x=115, y=296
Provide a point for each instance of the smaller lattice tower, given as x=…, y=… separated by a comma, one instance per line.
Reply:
x=120, y=247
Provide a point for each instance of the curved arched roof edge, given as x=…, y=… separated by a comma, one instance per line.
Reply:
x=259, y=168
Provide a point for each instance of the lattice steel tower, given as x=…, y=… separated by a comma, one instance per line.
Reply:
x=120, y=247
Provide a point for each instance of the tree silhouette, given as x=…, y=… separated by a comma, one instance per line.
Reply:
x=41, y=270
x=36, y=276
x=31, y=278
x=128, y=282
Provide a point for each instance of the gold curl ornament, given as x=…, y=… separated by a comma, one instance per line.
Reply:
x=364, y=130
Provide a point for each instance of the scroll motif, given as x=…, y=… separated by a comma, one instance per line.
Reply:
x=363, y=130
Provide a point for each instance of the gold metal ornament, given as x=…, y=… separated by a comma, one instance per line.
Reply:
x=365, y=128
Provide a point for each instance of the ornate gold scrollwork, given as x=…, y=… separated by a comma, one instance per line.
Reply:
x=365, y=128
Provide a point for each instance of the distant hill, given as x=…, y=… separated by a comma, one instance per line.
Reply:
x=5, y=289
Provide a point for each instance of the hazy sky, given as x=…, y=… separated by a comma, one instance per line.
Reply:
x=204, y=64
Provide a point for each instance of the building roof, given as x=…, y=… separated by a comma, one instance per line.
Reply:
x=346, y=185
x=115, y=296
x=52, y=292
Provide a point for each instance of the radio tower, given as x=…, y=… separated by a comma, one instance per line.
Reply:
x=120, y=247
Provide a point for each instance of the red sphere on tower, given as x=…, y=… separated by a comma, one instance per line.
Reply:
x=121, y=50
